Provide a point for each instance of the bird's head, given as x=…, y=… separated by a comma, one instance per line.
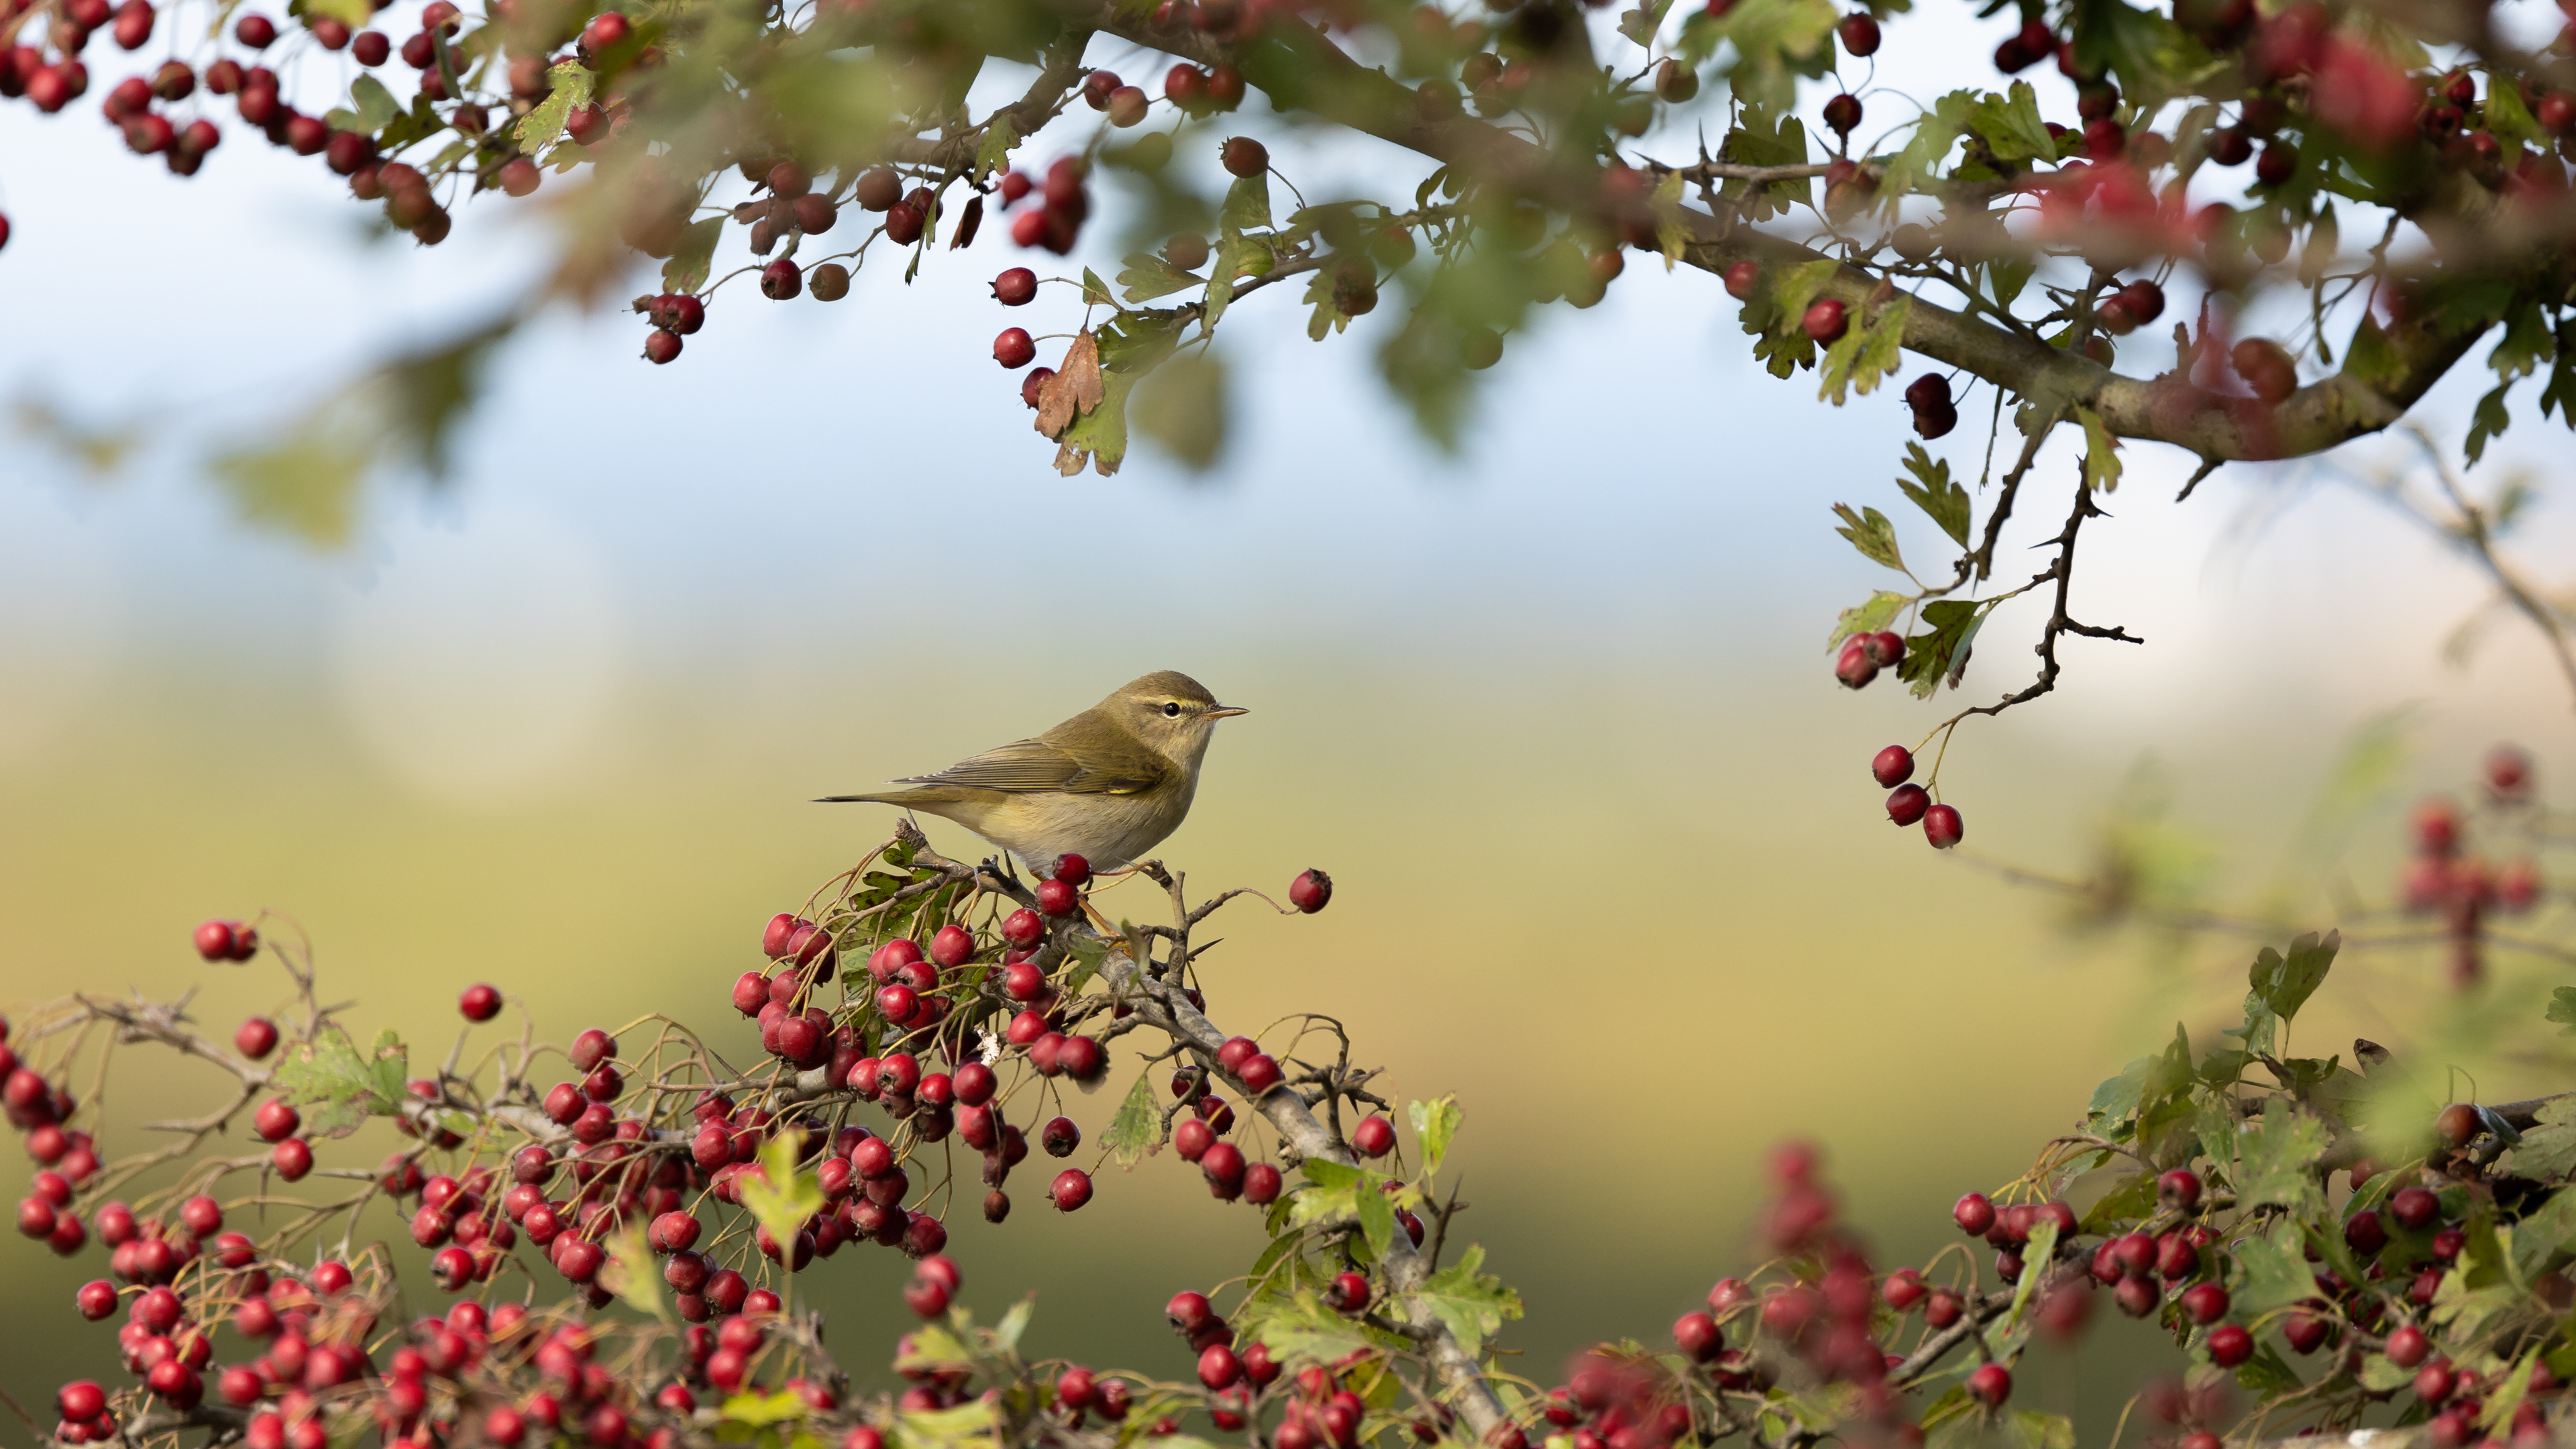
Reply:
x=1170, y=711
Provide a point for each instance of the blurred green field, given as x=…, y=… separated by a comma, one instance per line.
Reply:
x=1642, y=933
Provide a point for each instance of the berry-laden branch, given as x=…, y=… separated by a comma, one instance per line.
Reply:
x=693, y=1192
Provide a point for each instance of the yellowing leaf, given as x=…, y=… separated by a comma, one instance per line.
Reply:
x=1435, y=1124
x=779, y=1197
x=631, y=1273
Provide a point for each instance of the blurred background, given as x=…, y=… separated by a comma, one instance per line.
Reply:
x=1554, y=711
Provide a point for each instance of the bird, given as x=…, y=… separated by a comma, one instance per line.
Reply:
x=1107, y=785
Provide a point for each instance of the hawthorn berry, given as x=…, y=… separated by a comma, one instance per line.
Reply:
x=1974, y=1213
x=1990, y=1384
x=2305, y=1334
x=1696, y=1334
x=1348, y=1293
x=1853, y=667
x=781, y=280
x=276, y=1120
x=1906, y=805
x=1224, y=1167
x=1245, y=157
x=2230, y=1344
x=1886, y=648
x=1843, y=114
x=829, y=282
x=1825, y=321
x=1892, y=766
x=1014, y=349
x=952, y=946
x=1070, y=1190
x=1859, y=34
x=479, y=1003
x=2205, y=1302
x=1942, y=826
x=1060, y=1137
x=256, y=1038
x=2407, y=1346
x=2177, y=1191
x=1261, y=1184
x=1373, y=1137
x=292, y=1158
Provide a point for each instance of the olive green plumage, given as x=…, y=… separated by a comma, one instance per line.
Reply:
x=1108, y=784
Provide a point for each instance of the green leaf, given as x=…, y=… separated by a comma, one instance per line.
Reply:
x=2510, y=122
x=1335, y=1195
x=1867, y=617
x=2265, y=1373
x=1870, y=348
x=1936, y=133
x=2378, y=1374
x=1146, y=276
x=2562, y=1009
x=1768, y=135
x=1298, y=1326
x=1087, y=953
x=2101, y=452
x=760, y=1410
x=1474, y=1303
x=2543, y=1234
x=687, y=267
x=1933, y=491
x=339, y=1087
x=2038, y=1429
x=1871, y=533
x=571, y=82
x=377, y=107
x=353, y=13
x=2280, y=1157
x=2371, y=358
x=2548, y=1150
x=2006, y=276
x=1182, y=407
x=779, y=1197
x=2284, y=984
x=932, y=1347
x=1095, y=292
x=968, y=1423
x=1942, y=649
x=1435, y=1124
x=2275, y=1270
x=306, y=484
x=1247, y=204
x=631, y=1273
x=2037, y=1255
x=2012, y=126
x=2487, y=420
x=2122, y=1206
x=994, y=153
x=2516, y=1387
x=1797, y=287
x=1137, y=1128
x=1015, y=1323
x=1098, y=437
x=1377, y=1219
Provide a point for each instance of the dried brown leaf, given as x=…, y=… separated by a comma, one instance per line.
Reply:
x=1074, y=390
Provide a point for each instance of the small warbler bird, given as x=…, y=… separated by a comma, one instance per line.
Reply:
x=1108, y=784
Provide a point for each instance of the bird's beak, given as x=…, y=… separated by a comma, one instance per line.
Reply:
x=1221, y=711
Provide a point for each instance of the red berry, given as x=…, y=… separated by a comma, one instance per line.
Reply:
x=1349, y=1293
x=479, y=1003
x=293, y=1158
x=1373, y=1137
x=1261, y=1184
x=2178, y=1190
x=1244, y=157
x=604, y=30
x=1311, y=891
x=2408, y=1346
x=1696, y=1334
x=215, y=938
x=1073, y=870
x=1843, y=113
x=952, y=946
x=276, y=1120
x=1016, y=288
x=1070, y=1190
x=1825, y=321
x=1859, y=34
x=2415, y=1207
x=1990, y=1384
x=2205, y=1302
x=1742, y=278
x=1974, y=1214
x=256, y=31
x=1060, y=1137
x=1907, y=804
x=2230, y=1344
x=1942, y=826
x=1892, y=766
x=1218, y=1367
x=257, y=1038
x=1853, y=665
x=781, y=280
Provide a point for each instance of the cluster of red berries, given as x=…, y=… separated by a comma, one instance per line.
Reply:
x=1863, y=655
x=227, y=941
x=40, y=1109
x=2461, y=887
x=1908, y=803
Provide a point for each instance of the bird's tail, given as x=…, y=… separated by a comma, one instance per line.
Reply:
x=929, y=796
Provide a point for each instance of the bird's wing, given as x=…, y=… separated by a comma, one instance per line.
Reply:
x=1033, y=766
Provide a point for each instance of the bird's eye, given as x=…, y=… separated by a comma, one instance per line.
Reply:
x=1172, y=711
